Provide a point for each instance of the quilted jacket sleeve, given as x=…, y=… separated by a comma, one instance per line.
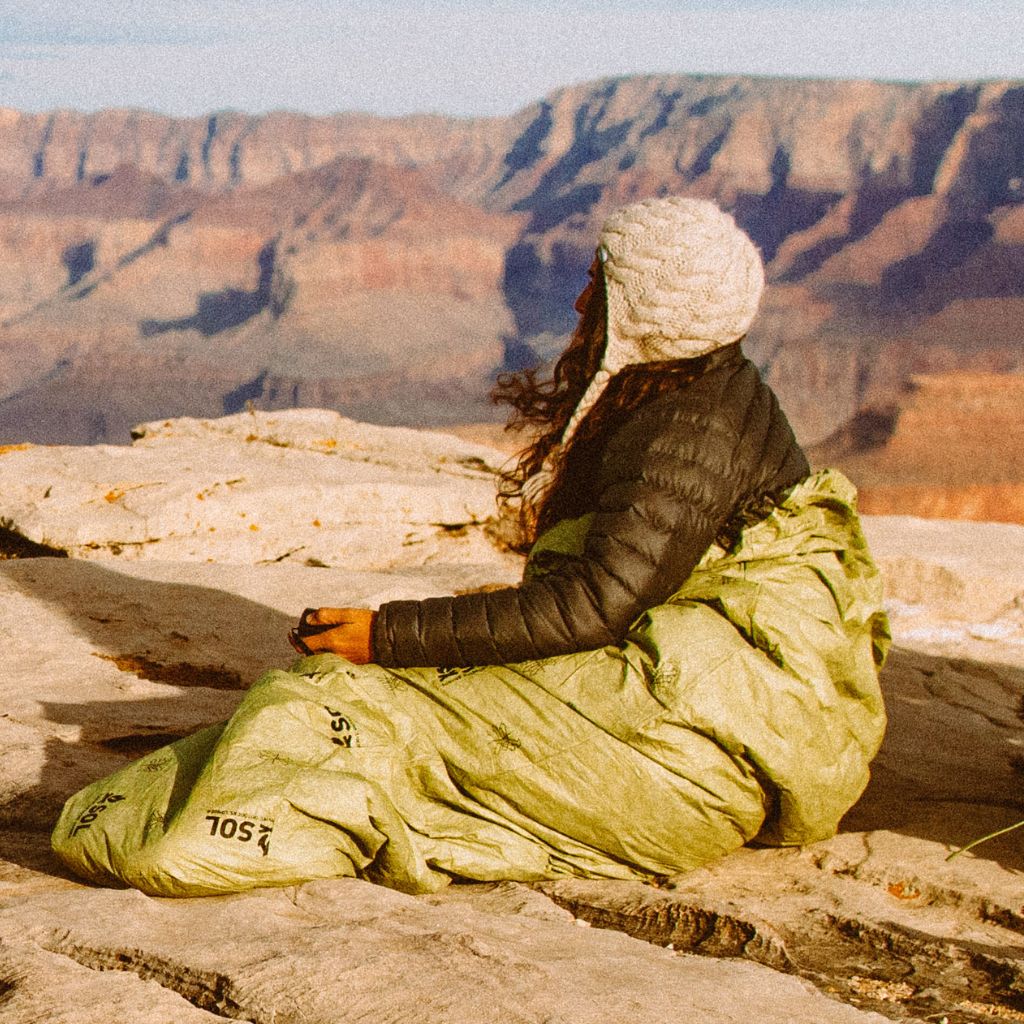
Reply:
x=670, y=480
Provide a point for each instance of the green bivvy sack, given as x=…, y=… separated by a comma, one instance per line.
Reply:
x=745, y=707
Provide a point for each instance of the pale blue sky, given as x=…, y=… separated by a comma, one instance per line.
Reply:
x=467, y=56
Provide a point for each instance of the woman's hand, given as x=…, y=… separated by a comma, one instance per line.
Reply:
x=344, y=631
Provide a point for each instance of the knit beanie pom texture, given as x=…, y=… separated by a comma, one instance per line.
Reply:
x=681, y=280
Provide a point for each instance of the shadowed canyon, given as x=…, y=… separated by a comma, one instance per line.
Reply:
x=388, y=268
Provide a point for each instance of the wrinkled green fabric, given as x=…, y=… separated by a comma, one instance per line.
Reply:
x=747, y=706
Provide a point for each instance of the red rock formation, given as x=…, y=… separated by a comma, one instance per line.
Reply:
x=996, y=503
x=351, y=278
x=953, y=448
x=407, y=252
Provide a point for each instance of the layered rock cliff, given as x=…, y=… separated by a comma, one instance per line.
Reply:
x=951, y=446
x=389, y=267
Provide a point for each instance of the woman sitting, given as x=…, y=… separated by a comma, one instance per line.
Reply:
x=690, y=661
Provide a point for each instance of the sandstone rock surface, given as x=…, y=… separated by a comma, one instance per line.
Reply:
x=306, y=486
x=109, y=657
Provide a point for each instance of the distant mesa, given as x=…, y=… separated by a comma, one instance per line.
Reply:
x=389, y=268
x=951, y=448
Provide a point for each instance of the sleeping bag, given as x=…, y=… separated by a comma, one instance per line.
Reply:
x=745, y=707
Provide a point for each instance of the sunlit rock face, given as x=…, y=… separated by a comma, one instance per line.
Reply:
x=194, y=550
x=388, y=268
x=308, y=487
x=948, y=446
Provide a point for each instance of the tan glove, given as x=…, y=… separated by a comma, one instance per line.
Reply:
x=344, y=631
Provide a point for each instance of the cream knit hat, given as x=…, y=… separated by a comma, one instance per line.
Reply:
x=681, y=280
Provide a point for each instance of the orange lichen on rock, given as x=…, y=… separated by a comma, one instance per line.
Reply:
x=904, y=891
x=179, y=673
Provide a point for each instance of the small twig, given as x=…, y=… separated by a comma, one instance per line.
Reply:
x=985, y=839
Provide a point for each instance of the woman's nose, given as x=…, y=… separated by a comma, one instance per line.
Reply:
x=583, y=298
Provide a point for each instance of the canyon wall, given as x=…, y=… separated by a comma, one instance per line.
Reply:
x=388, y=268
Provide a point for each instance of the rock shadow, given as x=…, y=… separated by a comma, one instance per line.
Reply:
x=79, y=260
x=220, y=311
x=206, y=646
x=952, y=762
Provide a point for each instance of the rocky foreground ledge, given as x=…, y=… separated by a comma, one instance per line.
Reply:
x=192, y=553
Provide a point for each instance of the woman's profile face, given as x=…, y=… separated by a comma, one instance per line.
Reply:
x=588, y=289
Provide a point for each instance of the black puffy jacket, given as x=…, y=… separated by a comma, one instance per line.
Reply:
x=669, y=481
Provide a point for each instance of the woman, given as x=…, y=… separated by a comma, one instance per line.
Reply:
x=665, y=432
x=690, y=662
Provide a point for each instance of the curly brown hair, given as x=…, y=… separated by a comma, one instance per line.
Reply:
x=548, y=405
